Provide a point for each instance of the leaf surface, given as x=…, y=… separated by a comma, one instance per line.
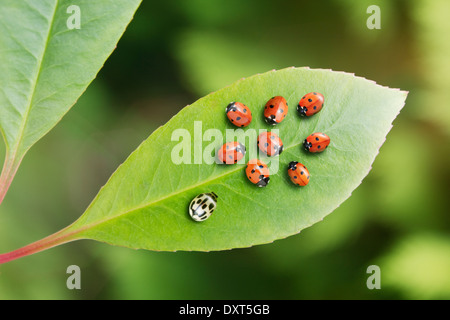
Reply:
x=45, y=65
x=145, y=202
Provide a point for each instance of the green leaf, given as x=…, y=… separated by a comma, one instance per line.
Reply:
x=145, y=202
x=45, y=65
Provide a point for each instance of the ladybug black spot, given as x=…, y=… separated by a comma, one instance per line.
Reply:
x=317, y=139
x=238, y=118
x=310, y=100
x=266, y=144
x=271, y=105
x=253, y=171
x=280, y=110
x=295, y=177
x=315, y=108
x=245, y=110
x=318, y=147
x=261, y=166
x=301, y=173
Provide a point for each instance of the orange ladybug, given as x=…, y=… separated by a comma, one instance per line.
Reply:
x=270, y=143
x=310, y=104
x=275, y=110
x=231, y=152
x=298, y=173
x=316, y=142
x=239, y=114
x=257, y=172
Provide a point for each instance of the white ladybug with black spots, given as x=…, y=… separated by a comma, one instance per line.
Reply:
x=202, y=206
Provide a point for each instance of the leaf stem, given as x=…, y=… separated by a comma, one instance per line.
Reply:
x=10, y=167
x=63, y=236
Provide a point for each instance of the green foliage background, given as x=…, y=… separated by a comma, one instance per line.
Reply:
x=175, y=52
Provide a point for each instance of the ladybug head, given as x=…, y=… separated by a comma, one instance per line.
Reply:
x=271, y=119
x=280, y=149
x=301, y=110
x=307, y=145
x=293, y=165
x=241, y=148
x=231, y=107
x=263, y=181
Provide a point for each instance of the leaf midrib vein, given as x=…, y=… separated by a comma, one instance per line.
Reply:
x=35, y=82
x=94, y=224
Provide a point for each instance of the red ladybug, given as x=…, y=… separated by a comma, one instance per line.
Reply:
x=239, y=114
x=298, y=173
x=270, y=143
x=310, y=104
x=257, y=172
x=231, y=152
x=317, y=142
x=275, y=110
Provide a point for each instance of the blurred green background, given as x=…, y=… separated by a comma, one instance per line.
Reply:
x=173, y=53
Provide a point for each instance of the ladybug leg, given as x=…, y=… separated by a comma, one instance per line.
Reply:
x=280, y=150
x=214, y=195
